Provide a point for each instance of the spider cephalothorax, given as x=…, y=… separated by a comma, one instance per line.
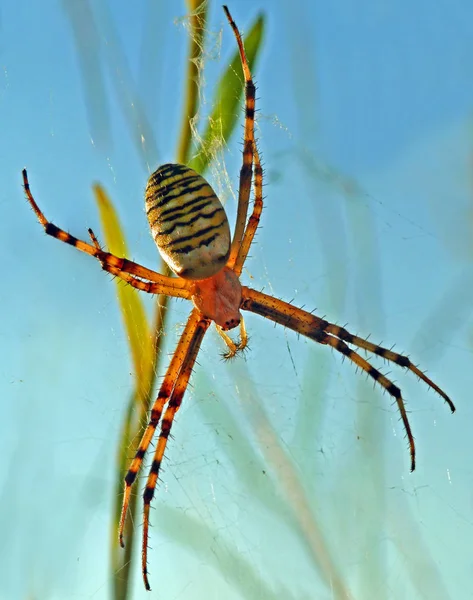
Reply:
x=191, y=230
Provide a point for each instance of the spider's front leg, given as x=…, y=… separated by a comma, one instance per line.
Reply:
x=171, y=393
x=323, y=332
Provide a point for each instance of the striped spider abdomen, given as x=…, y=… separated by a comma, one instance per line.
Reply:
x=188, y=222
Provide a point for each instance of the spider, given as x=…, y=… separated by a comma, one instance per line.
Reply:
x=191, y=230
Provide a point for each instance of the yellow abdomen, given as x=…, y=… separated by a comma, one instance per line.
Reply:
x=188, y=222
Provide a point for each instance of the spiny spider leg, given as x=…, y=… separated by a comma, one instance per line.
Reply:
x=145, y=286
x=246, y=171
x=323, y=332
x=173, y=286
x=180, y=385
x=399, y=359
x=254, y=219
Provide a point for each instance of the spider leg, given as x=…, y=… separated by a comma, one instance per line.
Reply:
x=246, y=172
x=145, y=286
x=388, y=385
x=323, y=332
x=172, y=374
x=173, y=286
x=188, y=354
x=234, y=348
x=253, y=221
x=399, y=359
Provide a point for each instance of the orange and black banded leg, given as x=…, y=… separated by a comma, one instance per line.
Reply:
x=387, y=384
x=246, y=172
x=165, y=392
x=309, y=325
x=145, y=286
x=177, y=287
x=254, y=219
x=180, y=386
x=50, y=228
x=323, y=332
x=399, y=359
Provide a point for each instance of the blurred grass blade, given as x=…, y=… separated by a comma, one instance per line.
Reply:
x=120, y=558
x=88, y=47
x=131, y=306
x=227, y=98
x=143, y=348
x=220, y=554
x=197, y=21
x=127, y=95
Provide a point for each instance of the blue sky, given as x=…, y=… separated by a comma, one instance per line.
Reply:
x=365, y=128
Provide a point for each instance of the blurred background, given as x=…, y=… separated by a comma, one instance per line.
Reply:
x=288, y=475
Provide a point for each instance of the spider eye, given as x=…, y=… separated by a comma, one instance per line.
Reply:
x=231, y=324
x=188, y=222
